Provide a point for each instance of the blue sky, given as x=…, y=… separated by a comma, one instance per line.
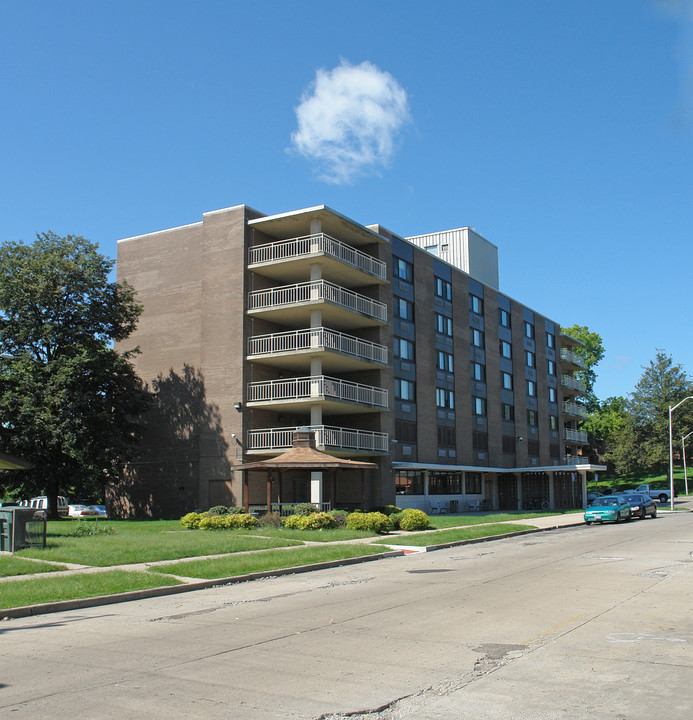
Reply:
x=561, y=131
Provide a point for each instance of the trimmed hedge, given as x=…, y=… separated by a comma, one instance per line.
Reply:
x=372, y=521
x=203, y=521
x=412, y=519
x=313, y=521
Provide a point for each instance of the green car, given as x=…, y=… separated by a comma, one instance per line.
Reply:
x=608, y=508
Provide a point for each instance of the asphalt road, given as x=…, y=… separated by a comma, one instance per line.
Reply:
x=587, y=622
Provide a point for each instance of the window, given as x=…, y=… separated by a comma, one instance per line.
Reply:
x=508, y=443
x=443, y=289
x=409, y=482
x=532, y=418
x=531, y=388
x=473, y=483
x=506, y=381
x=444, y=361
x=533, y=448
x=508, y=412
x=505, y=349
x=552, y=395
x=550, y=340
x=503, y=317
x=553, y=422
x=402, y=269
x=404, y=349
x=405, y=431
x=404, y=309
x=445, y=398
x=476, y=338
x=405, y=389
x=530, y=359
x=446, y=437
x=476, y=304
x=445, y=483
x=478, y=372
x=551, y=367
x=479, y=406
x=529, y=330
x=443, y=325
x=479, y=441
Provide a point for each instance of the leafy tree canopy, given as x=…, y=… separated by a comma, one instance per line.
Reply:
x=591, y=352
x=69, y=401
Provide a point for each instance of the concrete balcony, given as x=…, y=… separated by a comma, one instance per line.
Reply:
x=572, y=386
x=333, y=394
x=575, y=436
x=290, y=260
x=572, y=359
x=293, y=350
x=292, y=305
x=574, y=409
x=336, y=440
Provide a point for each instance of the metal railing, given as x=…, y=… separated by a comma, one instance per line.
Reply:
x=315, y=292
x=571, y=408
x=317, y=387
x=579, y=436
x=326, y=436
x=571, y=357
x=569, y=381
x=286, y=509
x=317, y=244
x=575, y=460
x=317, y=339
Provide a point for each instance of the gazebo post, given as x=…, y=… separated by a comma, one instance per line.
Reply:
x=363, y=490
x=269, y=491
x=279, y=490
x=245, y=491
x=334, y=488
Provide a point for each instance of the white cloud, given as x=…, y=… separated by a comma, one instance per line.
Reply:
x=349, y=121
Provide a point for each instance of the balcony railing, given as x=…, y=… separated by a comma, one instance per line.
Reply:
x=315, y=292
x=575, y=460
x=317, y=339
x=318, y=244
x=578, y=436
x=326, y=437
x=571, y=357
x=317, y=387
x=571, y=408
x=568, y=381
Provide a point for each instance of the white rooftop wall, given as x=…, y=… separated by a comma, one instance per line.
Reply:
x=466, y=250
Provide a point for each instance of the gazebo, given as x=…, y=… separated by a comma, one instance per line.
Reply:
x=303, y=456
x=8, y=462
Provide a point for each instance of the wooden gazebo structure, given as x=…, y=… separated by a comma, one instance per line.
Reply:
x=303, y=456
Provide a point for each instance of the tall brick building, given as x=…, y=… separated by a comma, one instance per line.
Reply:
x=398, y=351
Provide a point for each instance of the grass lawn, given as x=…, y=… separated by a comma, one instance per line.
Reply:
x=261, y=562
x=53, y=589
x=440, y=537
x=11, y=565
x=138, y=541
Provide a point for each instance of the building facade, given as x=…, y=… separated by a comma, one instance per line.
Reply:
x=399, y=352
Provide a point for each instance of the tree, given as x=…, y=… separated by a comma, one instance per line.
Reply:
x=644, y=438
x=605, y=425
x=69, y=402
x=591, y=352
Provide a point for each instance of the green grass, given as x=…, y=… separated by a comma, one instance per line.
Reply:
x=266, y=561
x=145, y=541
x=331, y=535
x=72, y=587
x=11, y=565
x=440, y=537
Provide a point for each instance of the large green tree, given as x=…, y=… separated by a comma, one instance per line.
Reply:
x=69, y=402
x=642, y=445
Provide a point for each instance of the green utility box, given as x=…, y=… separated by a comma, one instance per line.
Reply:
x=21, y=527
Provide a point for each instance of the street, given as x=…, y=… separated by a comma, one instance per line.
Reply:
x=589, y=622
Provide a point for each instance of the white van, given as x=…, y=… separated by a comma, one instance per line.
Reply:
x=41, y=503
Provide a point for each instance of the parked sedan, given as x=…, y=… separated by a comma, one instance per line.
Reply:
x=641, y=505
x=608, y=508
x=82, y=511
x=592, y=496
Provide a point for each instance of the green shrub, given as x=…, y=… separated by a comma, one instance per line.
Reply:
x=395, y=519
x=304, y=509
x=218, y=510
x=91, y=527
x=241, y=521
x=339, y=516
x=372, y=521
x=191, y=520
x=271, y=519
x=412, y=519
x=319, y=521
x=386, y=509
x=212, y=522
x=294, y=522
x=235, y=510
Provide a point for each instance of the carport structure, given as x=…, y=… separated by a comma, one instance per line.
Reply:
x=302, y=456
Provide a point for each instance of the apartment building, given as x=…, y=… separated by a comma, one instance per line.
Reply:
x=401, y=352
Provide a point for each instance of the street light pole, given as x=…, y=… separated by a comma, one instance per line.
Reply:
x=683, y=450
x=671, y=451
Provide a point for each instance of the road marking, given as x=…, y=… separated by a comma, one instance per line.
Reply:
x=637, y=637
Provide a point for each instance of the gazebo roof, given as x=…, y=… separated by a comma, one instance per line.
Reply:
x=7, y=462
